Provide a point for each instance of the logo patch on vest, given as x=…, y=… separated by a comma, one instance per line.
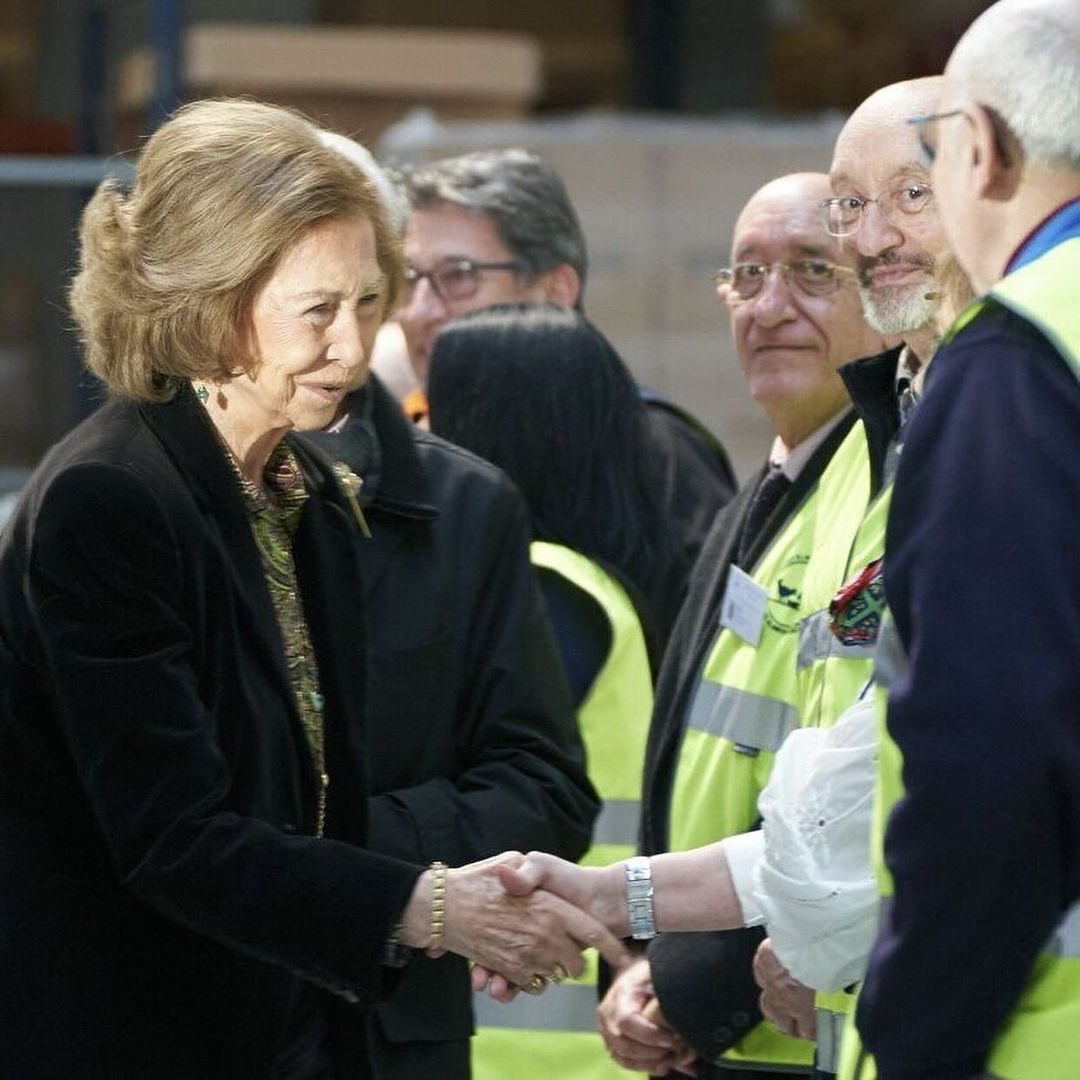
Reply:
x=785, y=604
x=856, y=610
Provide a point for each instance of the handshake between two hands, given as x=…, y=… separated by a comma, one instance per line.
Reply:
x=568, y=908
x=523, y=920
x=555, y=909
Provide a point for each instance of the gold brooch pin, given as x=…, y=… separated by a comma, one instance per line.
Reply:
x=350, y=485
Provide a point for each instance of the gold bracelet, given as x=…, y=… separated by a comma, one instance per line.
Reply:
x=439, y=871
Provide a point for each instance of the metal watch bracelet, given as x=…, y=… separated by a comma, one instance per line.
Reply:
x=639, y=898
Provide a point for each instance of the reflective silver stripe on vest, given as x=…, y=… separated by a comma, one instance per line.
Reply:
x=890, y=660
x=567, y=1007
x=1065, y=941
x=830, y=1034
x=818, y=642
x=617, y=822
x=746, y=719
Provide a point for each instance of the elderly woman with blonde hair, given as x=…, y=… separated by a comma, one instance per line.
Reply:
x=184, y=886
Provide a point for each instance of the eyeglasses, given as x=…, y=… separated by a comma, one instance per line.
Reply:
x=456, y=279
x=924, y=126
x=812, y=277
x=842, y=215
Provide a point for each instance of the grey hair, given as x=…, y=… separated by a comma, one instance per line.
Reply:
x=365, y=161
x=525, y=199
x=1024, y=62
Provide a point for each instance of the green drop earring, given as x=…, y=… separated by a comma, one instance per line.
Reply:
x=202, y=393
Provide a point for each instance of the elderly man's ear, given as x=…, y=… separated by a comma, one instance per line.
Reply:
x=996, y=160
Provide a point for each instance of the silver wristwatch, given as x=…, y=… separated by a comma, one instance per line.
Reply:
x=639, y=898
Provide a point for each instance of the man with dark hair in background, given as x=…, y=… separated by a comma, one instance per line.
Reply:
x=497, y=226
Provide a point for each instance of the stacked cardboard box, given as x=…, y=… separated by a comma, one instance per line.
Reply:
x=354, y=80
x=584, y=43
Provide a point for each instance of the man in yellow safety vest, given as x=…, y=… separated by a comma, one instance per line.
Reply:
x=726, y=692
x=976, y=970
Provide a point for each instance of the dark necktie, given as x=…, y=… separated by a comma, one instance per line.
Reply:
x=774, y=485
x=906, y=401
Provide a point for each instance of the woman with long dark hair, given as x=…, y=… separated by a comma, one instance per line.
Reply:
x=539, y=391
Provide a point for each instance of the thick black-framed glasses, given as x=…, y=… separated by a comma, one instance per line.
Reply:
x=457, y=279
x=812, y=277
x=924, y=125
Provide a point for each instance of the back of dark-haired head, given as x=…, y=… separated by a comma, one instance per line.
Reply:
x=540, y=392
x=525, y=199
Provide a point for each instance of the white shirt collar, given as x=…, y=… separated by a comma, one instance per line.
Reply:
x=793, y=460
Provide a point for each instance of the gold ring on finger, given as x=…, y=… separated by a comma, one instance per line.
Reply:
x=536, y=985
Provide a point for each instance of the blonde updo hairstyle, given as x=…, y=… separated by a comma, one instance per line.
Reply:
x=169, y=272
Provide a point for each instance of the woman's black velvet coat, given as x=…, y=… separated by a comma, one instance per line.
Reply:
x=162, y=899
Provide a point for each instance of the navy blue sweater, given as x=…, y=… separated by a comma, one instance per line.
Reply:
x=983, y=578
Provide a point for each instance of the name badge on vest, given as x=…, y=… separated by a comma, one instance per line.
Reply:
x=743, y=607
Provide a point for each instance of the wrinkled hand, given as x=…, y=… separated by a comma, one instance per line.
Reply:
x=634, y=1029
x=584, y=888
x=784, y=1000
x=516, y=937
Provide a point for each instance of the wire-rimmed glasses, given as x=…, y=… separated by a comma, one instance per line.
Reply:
x=812, y=277
x=842, y=213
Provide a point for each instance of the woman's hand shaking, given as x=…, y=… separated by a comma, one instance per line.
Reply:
x=595, y=894
x=502, y=914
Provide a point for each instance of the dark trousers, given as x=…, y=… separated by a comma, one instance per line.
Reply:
x=416, y=1060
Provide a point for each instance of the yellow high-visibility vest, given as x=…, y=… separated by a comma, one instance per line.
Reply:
x=830, y=675
x=554, y=1034
x=746, y=701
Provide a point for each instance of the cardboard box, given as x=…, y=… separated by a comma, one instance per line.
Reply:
x=542, y=17
x=585, y=43
x=354, y=80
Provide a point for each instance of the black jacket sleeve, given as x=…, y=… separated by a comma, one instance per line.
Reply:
x=705, y=985
x=512, y=766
